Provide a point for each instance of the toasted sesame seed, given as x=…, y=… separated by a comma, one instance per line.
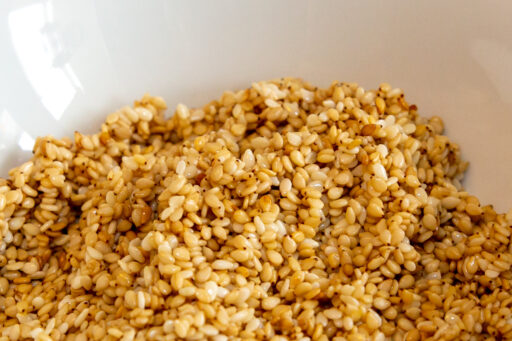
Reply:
x=283, y=211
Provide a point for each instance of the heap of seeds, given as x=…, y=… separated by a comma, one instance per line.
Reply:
x=283, y=211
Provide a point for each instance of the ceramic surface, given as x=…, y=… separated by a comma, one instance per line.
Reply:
x=64, y=65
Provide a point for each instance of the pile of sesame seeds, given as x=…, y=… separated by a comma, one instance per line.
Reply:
x=282, y=211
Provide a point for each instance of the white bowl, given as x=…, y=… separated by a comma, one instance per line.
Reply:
x=65, y=65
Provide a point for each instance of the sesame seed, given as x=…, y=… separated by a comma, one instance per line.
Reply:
x=282, y=211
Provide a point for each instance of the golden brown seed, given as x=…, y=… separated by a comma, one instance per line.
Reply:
x=380, y=104
x=270, y=303
x=297, y=158
x=368, y=129
x=277, y=212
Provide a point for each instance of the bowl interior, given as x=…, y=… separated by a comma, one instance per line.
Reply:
x=65, y=65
